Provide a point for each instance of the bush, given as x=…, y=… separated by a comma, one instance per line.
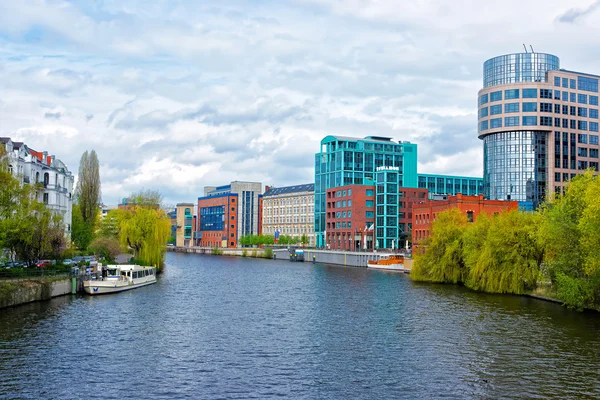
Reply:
x=244, y=253
x=268, y=253
x=216, y=251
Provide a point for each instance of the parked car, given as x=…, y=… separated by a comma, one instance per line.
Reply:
x=67, y=261
x=13, y=264
x=77, y=259
x=44, y=263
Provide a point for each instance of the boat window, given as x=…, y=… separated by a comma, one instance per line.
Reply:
x=147, y=273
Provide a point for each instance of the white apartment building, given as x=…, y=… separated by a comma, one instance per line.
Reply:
x=290, y=211
x=31, y=167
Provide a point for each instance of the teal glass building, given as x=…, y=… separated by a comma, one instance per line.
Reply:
x=388, y=166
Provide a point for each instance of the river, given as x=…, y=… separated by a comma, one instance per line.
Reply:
x=217, y=327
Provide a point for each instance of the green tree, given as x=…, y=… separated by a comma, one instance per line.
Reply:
x=146, y=231
x=82, y=232
x=506, y=258
x=442, y=260
x=88, y=192
x=304, y=240
x=109, y=225
x=570, y=231
x=106, y=247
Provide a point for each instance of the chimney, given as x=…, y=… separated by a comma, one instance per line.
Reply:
x=45, y=157
x=267, y=188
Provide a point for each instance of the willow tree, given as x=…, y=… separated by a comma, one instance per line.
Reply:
x=442, y=260
x=146, y=231
x=506, y=258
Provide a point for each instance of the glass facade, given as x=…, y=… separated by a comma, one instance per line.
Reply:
x=386, y=225
x=450, y=185
x=519, y=67
x=515, y=166
x=345, y=161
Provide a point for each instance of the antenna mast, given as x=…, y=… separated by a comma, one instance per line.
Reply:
x=525, y=47
x=531, y=48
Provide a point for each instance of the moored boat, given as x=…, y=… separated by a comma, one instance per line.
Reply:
x=118, y=278
x=392, y=262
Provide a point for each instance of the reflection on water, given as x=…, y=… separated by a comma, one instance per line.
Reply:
x=220, y=327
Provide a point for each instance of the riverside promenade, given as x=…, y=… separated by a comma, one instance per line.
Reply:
x=350, y=259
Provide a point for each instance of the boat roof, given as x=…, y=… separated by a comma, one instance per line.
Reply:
x=126, y=267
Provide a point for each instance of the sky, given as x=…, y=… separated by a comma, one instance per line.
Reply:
x=175, y=95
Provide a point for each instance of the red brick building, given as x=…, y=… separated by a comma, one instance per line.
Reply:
x=350, y=217
x=217, y=221
x=425, y=213
x=409, y=197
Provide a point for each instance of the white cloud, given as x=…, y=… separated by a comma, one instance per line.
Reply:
x=178, y=95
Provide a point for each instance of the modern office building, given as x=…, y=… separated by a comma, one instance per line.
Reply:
x=290, y=211
x=344, y=161
x=388, y=167
x=32, y=167
x=185, y=225
x=539, y=126
x=425, y=213
x=227, y=213
x=450, y=185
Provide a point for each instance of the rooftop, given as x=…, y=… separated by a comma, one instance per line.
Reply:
x=308, y=187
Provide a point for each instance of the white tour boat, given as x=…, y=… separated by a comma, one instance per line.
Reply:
x=392, y=262
x=118, y=278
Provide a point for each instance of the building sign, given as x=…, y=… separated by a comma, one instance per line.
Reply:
x=387, y=168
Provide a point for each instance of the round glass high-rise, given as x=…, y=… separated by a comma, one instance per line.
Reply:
x=518, y=67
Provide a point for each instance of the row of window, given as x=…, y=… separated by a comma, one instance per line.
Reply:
x=495, y=123
x=583, y=83
x=339, y=225
x=535, y=107
x=289, y=201
x=511, y=94
x=288, y=210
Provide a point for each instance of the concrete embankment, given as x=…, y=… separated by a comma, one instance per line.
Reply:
x=350, y=259
x=20, y=291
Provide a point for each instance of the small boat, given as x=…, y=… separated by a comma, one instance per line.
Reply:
x=393, y=262
x=118, y=278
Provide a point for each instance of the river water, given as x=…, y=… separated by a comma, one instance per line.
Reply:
x=240, y=328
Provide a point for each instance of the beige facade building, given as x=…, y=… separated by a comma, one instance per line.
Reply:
x=539, y=126
x=289, y=211
x=185, y=225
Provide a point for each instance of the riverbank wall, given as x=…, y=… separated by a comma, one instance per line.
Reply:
x=14, y=292
x=349, y=259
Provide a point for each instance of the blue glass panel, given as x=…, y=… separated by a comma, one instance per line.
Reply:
x=497, y=109
x=530, y=93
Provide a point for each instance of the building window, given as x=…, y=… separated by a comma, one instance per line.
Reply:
x=546, y=121
x=546, y=107
x=587, y=84
x=349, y=203
x=582, y=125
x=557, y=81
x=582, y=98
x=593, y=100
x=530, y=93
x=529, y=121
x=572, y=124
x=511, y=107
x=369, y=203
x=594, y=127
x=594, y=113
x=343, y=193
x=483, y=112
x=557, y=109
x=483, y=99
x=573, y=97
x=545, y=93
x=511, y=94
x=582, y=138
x=349, y=192
x=557, y=95
x=511, y=121
x=529, y=107
x=483, y=126
x=572, y=84
x=370, y=192
x=593, y=138
x=565, y=82
x=565, y=96
x=470, y=216
x=496, y=123
x=496, y=96
x=582, y=111
x=495, y=110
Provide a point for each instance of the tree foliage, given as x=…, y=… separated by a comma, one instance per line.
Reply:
x=87, y=192
x=146, y=231
x=145, y=198
x=442, y=261
x=106, y=247
x=28, y=229
x=82, y=232
x=571, y=232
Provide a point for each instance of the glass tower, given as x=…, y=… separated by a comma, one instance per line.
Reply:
x=347, y=161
